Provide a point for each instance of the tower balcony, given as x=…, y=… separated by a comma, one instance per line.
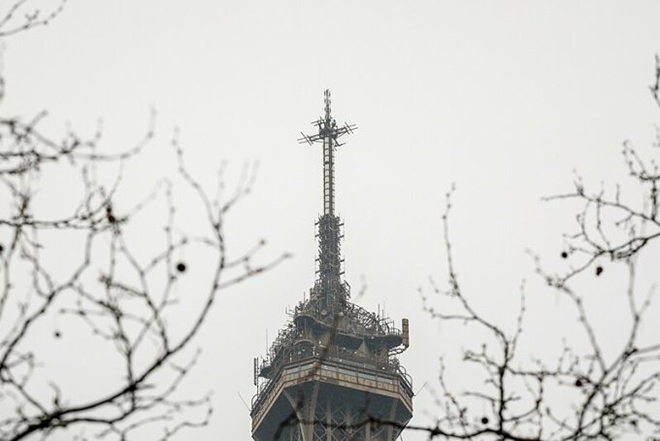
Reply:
x=381, y=397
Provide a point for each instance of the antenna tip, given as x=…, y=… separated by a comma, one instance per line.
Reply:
x=326, y=99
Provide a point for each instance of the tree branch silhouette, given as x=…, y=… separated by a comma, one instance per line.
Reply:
x=100, y=263
x=586, y=393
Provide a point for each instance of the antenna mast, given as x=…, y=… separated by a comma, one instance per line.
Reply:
x=329, y=286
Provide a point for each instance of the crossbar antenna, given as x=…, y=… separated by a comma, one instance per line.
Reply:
x=329, y=225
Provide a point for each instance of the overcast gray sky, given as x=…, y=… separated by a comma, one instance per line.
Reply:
x=505, y=99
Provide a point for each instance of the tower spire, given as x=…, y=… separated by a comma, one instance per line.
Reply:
x=329, y=285
x=326, y=100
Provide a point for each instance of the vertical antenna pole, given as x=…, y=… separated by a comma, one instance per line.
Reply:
x=328, y=160
x=329, y=283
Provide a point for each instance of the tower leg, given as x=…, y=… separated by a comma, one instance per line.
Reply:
x=392, y=431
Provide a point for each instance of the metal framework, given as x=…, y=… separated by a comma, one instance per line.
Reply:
x=334, y=293
x=332, y=373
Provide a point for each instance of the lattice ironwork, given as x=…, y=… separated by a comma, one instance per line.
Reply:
x=332, y=290
x=337, y=421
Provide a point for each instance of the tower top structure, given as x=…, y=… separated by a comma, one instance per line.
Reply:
x=328, y=134
x=332, y=373
x=331, y=291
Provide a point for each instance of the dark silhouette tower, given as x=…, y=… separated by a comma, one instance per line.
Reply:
x=332, y=374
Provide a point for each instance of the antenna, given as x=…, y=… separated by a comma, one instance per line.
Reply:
x=328, y=134
x=329, y=225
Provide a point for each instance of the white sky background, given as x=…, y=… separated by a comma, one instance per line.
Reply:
x=503, y=98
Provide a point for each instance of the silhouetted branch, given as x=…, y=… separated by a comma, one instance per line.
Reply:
x=88, y=260
x=20, y=17
x=586, y=393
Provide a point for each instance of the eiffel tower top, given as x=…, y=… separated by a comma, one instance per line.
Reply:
x=329, y=336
